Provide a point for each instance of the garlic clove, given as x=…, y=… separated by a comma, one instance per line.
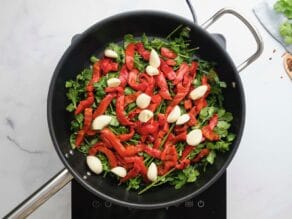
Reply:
x=101, y=121
x=113, y=82
x=150, y=70
x=152, y=172
x=145, y=115
x=183, y=119
x=143, y=100
x=154, y=59
x=194, y=137
x=94, y=164
x=110, y=53
x=198, y=92
x=119, y=171
x=174, y=114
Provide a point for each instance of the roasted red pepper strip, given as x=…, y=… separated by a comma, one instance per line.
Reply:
x=95, y=73
x=181, y=137
x=213, y=121
x=85, y=103
x=87, y=119
x=183, y=69
x=200, y=104
x=150, y=81
x=130, y=52
x=193, y=69
x=167, y=53
x=128, y=136
x=137, y=161
x=110, y=138
x=167, y=70
x=156, y=100
x=124, y=74
x=210, y=134
x=162, y=84
x=108, y=153
x=188, y=104
x=142, y=51
x=184, y=161
x=152, y=152
x=170, y=157
x=108, y=65
x=79, y=138
x=131, y=174
x=131, y=97
x=170, y=62
x=203, y=153
x=193, y=113
x=119, y=90
x=132, y=81
x=121, y=115
x=102, y=106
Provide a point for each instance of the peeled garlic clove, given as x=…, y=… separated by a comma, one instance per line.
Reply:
x=150, y=70
x=119, y=171
x=110, y=53
x=100, y=122
x=113, y=82
x=94, y=164
x=174, y=114
x=145, y=115
x=154, y=59
x=198, y=92
x=152, y=172
x=143, y=101
x=194, y=137
x=183, y=119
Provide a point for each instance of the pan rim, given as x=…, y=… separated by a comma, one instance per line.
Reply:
x=71, y=169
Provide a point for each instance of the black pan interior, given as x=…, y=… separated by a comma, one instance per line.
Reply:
x=93, y=41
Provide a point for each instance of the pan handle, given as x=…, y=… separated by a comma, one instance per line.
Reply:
x=45, y=192
x=253, y=30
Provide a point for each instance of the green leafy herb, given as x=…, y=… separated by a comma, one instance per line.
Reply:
x=286, y=31
x=188, y=175
x=285, y=7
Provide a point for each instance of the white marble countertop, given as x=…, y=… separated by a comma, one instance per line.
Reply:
x=34, y=35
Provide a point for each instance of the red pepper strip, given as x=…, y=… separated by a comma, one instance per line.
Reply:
x=79, y=138
x=187, y=150
x=204, y=80
x=210, y=134
x=162, y=84
x=184, y=161
x=181, y=137
x=147, y=128
x=123, y=163
x=91, y=132
x=183, y=69
x=169, y=156
x=192, y=114
x=183, y=164
x=123, y=76
x=137, y=161
x=193, y=69
x=156, y=100
x=92, y=150
x=200, y=104
x=108, y=65
x=182, y=91
x=213, y=121
x=132, y=81
x=180, y=129
x=170, y=62
x=131, y=174
x=110, y=138
x=188, y=104
x=130, y=52
x=203, y=153
x=119, y=90
x=142, y=51
x=95, y=73
x=128, y=136
x=103, y=104
x=108, y=153
x=87, y=119
x=167, y=70
x=85, y=103
x=133, y=113
x=131, y=98
x=150, y=81
x=152, y=152
x=121, y=115
x=167, y=53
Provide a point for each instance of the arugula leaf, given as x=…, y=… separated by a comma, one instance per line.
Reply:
x=285, y=7
x=104, y=161
x=119, y=50
x=134, y=183
x=139, y=63
x=211, y=157
x=129, y=38
x=188, y=175
x=286, y=32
